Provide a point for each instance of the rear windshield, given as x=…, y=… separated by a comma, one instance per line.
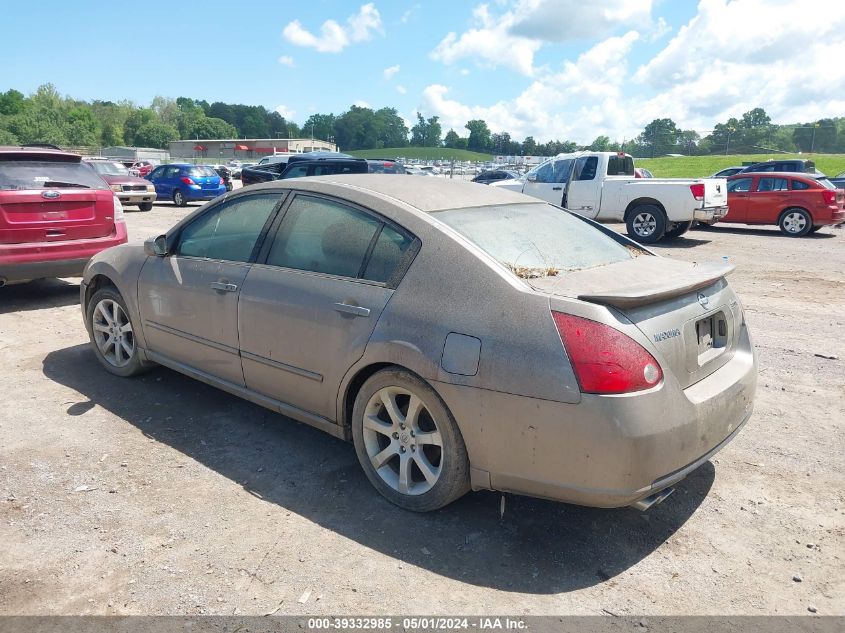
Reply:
x=620, y=166
x=201, y=171
x=109, y=169
x=27, y=174
x=824, y=182
x=535, y=240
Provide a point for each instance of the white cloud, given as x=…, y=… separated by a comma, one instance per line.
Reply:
x=333, y=37
x=569, y=104
x=362, y=104
x=464, y=72
x=286, y=60
x=513, y=38
x=735, y=56
x=401, y=89
x=286, y=112
x=390, y=71
x=489, y=44
x=409, y=13
x=566, y=20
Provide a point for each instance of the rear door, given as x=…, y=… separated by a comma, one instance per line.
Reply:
x=738, y=192
x=51, y=201
x=188, y=300
x=767, y=200
x=308, y=309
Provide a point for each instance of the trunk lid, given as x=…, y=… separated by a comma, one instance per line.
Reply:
x=55, y=215
x=689, y=314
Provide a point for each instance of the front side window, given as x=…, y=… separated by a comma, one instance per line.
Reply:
x=543, y=173
x=740, y=185
x=562, y=168
x=323, y=236
x=156, y=173
x=228, y=231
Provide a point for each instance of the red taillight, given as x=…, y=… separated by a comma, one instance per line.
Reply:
x=697, y=191
x=604, y=359
x=188, y=181
x=829, y=196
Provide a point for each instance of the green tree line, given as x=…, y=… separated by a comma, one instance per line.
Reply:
x=45, y=116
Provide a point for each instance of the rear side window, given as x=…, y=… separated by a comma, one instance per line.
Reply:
x=30, y=174
x=740, y=185
x=772, y=184
x=229, y=230
x=388, y=252
x=296, y=171
x=620, y=166
x=323, y=236
x=798, y=185
x=535, y=240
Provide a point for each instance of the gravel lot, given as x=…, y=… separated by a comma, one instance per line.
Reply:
x=160, y=495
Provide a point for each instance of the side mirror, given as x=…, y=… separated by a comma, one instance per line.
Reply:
x=156, y=247
x=531, y=178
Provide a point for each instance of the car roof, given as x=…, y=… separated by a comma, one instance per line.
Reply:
x=429, y=195
x=783, y=174
x=12, y=151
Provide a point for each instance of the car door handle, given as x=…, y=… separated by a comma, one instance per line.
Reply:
x=220, y=285
x=557, y=188
x=350, y=309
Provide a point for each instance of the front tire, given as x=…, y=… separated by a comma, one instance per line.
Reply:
x=795, y=222
x=408, y=443
x=145, y=206
x=179, y=199
x=646, y=224
x=680, y=229
x=112, y=334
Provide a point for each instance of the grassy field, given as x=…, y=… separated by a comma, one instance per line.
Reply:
x=698, y=166
x=423, y=153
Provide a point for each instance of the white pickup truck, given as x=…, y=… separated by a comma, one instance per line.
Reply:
x=602, y=186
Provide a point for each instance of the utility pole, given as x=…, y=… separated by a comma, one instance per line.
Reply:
x=813, y=143
x=728, y=144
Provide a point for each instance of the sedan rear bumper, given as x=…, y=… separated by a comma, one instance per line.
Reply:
x=606, y=451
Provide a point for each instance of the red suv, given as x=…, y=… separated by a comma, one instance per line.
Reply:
x=55, y=214
x=798, y=203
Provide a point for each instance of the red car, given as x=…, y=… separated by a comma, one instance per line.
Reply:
x=55, y=214
x=143, y=167
x=798, y=203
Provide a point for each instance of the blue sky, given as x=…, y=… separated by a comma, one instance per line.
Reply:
x=550, y=68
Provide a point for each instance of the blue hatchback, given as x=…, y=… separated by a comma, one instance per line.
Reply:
x=182, y=183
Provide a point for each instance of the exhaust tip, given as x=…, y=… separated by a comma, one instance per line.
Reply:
x=652, y=500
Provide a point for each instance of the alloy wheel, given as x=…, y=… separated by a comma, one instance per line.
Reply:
x=644, y=224
x=794, y=222
x=403, y=441
x=113, y=333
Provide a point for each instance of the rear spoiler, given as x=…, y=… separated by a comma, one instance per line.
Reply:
x=673, y=285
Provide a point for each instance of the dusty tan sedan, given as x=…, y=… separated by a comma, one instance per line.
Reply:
x=463, y=337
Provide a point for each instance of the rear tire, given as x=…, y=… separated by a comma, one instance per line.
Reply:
x=112, y=334
x=408, y=443
x=145, y=206
x=680, y=229
x=795, y=222
x=179, y=199
x=646, y=224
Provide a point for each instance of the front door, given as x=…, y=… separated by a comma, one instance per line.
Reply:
x=548, y=181
x=583, y=195
x=307, y=312
x=188, y=299
x=738, y=192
